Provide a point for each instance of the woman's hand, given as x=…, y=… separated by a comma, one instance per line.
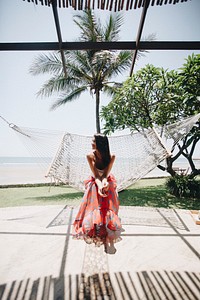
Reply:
x=103, y=187
x=102, y=193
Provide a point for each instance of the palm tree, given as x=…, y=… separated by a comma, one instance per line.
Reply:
x=90, y=70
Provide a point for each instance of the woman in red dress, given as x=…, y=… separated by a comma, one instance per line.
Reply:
x=97, y=220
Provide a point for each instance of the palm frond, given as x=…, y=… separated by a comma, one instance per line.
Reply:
x=87, y=23
x=81, y=60
x=70, y=97
x=47, y=63
x=112, y=29
x=56, y=84
x=120, y=62
x=109, y=90
x=80, y=75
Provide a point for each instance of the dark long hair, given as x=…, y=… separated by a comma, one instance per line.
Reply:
x=102, y=146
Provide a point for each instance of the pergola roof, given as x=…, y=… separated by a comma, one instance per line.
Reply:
x=115, y=5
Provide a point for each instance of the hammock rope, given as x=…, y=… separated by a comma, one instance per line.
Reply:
x=180, y=129
x=132, y=162
x=62, y=155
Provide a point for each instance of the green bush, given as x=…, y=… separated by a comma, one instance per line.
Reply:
x=183, y=186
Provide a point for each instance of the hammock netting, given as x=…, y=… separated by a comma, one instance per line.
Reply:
x=63, y=155
x=132, y=163
x=180, y=129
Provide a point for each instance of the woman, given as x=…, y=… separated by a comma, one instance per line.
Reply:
x=97, y=220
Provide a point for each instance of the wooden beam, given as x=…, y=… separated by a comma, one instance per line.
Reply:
x=122, y=45
x=56, y=19
x=141, y=25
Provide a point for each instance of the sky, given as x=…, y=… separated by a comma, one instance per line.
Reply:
x=21, y=21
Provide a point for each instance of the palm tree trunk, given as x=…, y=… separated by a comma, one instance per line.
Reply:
x=97, y=110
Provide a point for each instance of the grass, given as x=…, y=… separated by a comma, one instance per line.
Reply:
x=41, y=195
x=146, y=192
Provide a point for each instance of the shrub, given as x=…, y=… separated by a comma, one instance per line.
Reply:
x=183, y=186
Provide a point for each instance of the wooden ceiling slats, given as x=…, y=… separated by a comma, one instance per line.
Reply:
x=102, y=4
x=73, y=4
x=122, y=5
x=127, y=4
x=115, y=9
x=140, y=3
x=111, y=4
x=107, y=4
x=116, y=5
x=93, y=4
x=136, y=3
x=143, y=2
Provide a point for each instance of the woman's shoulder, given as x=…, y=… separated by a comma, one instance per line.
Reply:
x=112, y=156
x=112, y=159
x=90, y=155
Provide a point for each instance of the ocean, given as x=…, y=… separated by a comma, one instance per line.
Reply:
x=23, y=170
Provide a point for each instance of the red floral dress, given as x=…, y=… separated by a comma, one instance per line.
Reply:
x=97, y=220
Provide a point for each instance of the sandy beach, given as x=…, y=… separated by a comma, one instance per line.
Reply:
x=33, y=173
x=22, y=174
x=30, y=173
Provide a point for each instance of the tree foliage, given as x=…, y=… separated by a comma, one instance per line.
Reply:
x=157, y=97
x=150, y=96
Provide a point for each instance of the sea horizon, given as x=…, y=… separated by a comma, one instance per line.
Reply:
x=32, y=170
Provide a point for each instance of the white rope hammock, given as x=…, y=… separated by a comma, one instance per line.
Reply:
x=63, y=154
x=136, y=155
x=180, y=129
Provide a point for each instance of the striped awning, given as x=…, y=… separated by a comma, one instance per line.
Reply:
x=112, y=5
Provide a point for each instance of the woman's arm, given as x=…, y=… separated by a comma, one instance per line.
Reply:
x=109, y=167
x=90, y=158
x=105, y=183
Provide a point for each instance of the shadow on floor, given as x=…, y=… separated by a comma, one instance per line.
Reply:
x=127, y=285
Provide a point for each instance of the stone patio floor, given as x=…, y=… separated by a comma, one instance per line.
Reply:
x=157, y=258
